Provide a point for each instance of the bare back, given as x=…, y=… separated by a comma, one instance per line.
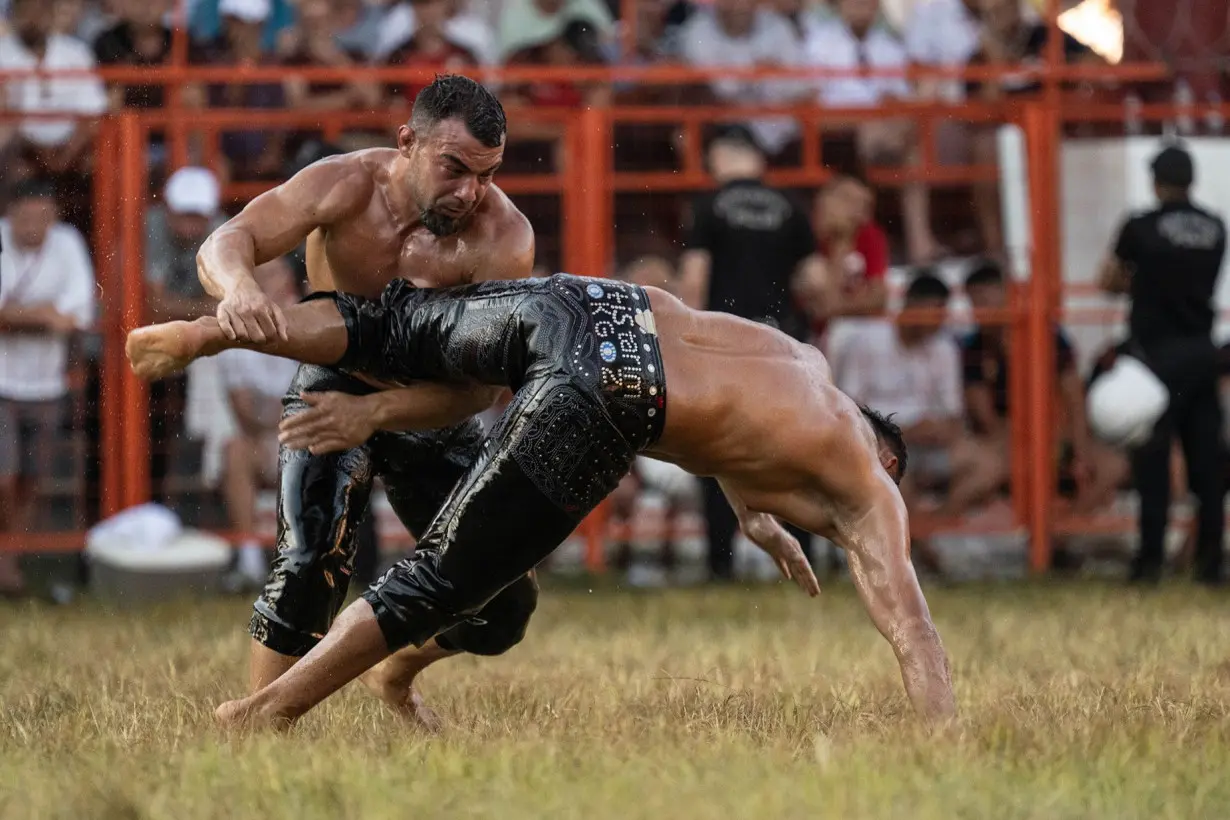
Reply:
x=750, y=404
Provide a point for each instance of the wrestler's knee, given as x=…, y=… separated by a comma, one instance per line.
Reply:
x=498, y=626
x=413, y=602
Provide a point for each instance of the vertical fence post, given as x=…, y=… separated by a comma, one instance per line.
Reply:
x=133, y=189
x=110, y=403
x=1042, y=135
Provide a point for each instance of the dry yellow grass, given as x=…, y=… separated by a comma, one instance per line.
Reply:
x=1077, y=701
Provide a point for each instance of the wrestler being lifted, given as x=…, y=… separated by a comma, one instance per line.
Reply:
x=426, y=211
x=601, y=371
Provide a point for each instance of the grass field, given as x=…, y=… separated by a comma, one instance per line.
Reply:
x=1077, y=701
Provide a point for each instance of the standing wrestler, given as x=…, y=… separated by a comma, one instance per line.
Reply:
x=426, y=211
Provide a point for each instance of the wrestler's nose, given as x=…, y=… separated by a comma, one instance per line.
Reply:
x=467, y=191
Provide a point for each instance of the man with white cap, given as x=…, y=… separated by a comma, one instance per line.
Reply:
x=173, y=235
x=174, y=231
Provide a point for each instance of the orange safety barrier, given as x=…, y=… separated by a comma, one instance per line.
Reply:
x=586, y=183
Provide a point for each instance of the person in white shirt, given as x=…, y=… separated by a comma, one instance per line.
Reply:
x=46, y=294
x=913, y=372
x=853, y=41
x=55, y=146
x=255, y=384
x=738, y=34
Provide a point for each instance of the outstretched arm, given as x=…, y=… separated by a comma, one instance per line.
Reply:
x=767, y=532
x=876, y=539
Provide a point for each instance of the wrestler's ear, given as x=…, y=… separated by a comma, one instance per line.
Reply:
x=405, y=139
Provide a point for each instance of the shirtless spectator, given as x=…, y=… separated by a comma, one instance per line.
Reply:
x=255, y=384
x=846, y=275
x=854, y=40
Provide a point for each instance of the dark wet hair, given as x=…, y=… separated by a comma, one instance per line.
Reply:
x=32, y=188
x=986, y=273
x=927, y=285
x=454, y=97
x=890, y=434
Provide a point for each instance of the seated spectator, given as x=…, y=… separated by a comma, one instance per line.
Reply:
x=738, y=34
x=913, y=372
x=464, y=28
x=431, y=45
x=249, y=154
x=46, y=294
x=576, y=45
x=659, y=35
x=526, y=24
x=852, y=41
x=357, y=26
x=85, y=20
x=846, y=275
x=1096, y=469
x=206, y=21
x=315, y=40
x=54, y=149
x=174, y=232
x=943, y=34
x=1007, y=38
x=140, y=37
x=255, y=384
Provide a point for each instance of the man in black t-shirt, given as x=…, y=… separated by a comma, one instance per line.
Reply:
x=1168, y=260
x=744, y=246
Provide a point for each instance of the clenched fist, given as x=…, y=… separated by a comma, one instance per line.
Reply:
x=247, y=314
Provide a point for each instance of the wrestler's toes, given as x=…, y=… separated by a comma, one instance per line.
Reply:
x=403, y=699
x=231, y=715
x=243, y=716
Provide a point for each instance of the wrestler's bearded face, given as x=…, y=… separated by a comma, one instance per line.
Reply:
x=450, y=173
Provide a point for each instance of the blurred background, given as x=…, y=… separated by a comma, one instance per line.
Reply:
x=961, y=167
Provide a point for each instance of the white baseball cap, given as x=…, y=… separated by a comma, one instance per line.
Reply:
x=193, y=191
x=249, y=11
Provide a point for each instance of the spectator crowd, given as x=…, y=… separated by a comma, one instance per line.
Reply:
x=948, y=391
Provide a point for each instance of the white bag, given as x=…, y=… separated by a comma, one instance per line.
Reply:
x=1125, y=403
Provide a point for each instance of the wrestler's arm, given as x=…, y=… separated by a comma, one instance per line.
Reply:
x=337, y=421
x=430, y=405
x=875, y=535
x=277, y=221
x=767, y=532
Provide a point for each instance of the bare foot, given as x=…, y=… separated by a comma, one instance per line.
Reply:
x=401, y=697
x=157, y=351
x=243, y=715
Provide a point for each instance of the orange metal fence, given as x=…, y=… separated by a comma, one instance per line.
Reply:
x=586, y=184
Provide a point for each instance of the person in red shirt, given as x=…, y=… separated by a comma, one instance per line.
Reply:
x=846, y=275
